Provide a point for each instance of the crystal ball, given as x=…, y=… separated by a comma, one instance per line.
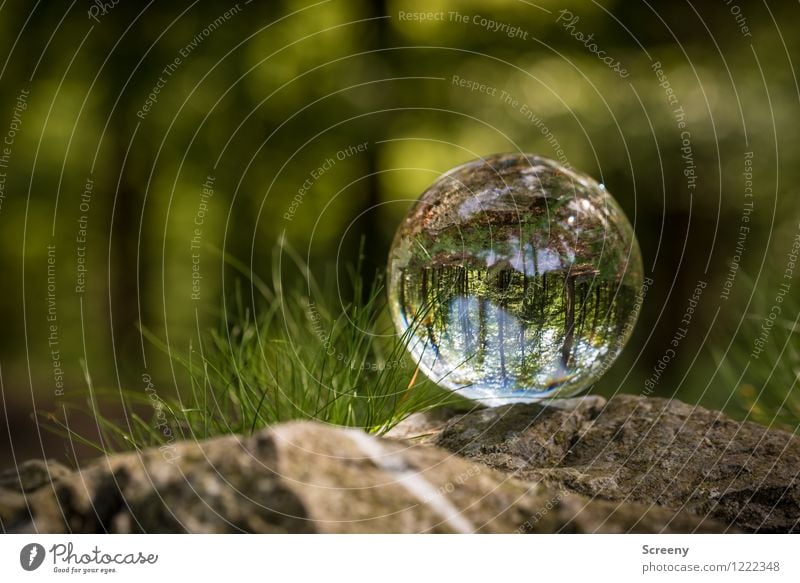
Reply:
x=513, y=279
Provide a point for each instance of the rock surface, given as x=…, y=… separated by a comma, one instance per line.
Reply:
x=627, y=465
x=647, y=450
x=31, y=475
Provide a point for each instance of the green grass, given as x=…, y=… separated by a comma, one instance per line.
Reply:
x=299, y=354
x=765, y=389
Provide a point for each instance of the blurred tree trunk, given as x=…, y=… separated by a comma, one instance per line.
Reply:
x=376, y=236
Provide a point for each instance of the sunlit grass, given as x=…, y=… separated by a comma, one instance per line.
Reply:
x=299, y=354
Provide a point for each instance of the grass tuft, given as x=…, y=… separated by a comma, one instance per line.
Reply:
x=298, y=355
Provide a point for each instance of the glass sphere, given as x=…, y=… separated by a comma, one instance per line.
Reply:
x=514, y=279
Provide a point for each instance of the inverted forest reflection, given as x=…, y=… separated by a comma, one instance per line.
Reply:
x=517, y=336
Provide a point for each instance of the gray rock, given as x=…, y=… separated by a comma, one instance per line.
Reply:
x=27, y=477
x=308, y=477
x=32, y=475
x=646, y=450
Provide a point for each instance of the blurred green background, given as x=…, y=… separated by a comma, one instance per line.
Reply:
x=142, y=135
